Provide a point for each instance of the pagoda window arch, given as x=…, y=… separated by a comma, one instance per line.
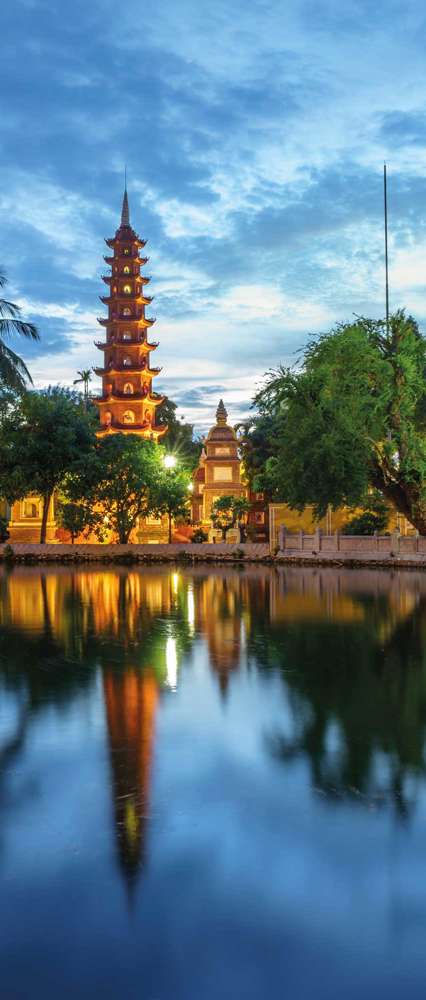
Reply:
x=127, y=335
x=128, y=389
x=126, y=269
x=127, y=362
x=126, y=251
x=127, y=289
x=128, y=417
x=107, y=418
x=127, y=311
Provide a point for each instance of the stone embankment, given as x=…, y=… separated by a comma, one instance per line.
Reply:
x=24, y=552
x=293, y=549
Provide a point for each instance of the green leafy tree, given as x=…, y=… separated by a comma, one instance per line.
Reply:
x=42, y=439
x=373, y=517
x=118, y=483
x=353, y=417
x=14, y=373
x=257, y=442
x=76, y=518
x=180, y=435
x=171, y=495
x=229, y=511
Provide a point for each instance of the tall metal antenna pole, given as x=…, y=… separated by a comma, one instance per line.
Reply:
x=125, y=177
x=385, y=191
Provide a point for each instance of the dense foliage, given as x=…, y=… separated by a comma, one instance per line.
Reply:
x=117, y=483
x=44, y=436
x=374, y=517
x=352, y=418
x=171, y=495
x=180, y=436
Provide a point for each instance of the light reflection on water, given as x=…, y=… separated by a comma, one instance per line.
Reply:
x=212, y=783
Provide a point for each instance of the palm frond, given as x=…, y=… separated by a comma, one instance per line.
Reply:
x=10, y=318
x=13, y=371
x=10, y=325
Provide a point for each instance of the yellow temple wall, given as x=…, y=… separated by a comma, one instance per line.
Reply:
x=25, y=520
x=281, y=514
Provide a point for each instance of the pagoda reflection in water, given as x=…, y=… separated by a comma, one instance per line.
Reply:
x=130, y=701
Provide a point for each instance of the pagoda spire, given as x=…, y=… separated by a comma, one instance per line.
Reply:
x=125, y=216
x=221, y=413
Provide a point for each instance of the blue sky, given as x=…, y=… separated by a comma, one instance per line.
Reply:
x=254, y=135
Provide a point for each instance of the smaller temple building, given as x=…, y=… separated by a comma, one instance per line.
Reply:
x=218, y=473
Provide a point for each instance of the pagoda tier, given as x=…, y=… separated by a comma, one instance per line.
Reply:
x=142, y=344
x=127, y=404
x=155, y=398
x=129, y=369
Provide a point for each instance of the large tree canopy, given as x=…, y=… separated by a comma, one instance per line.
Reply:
x=43, y=436
x=351, y=418
x=118, y=483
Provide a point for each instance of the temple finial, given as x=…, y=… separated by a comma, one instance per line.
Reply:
x=221, y=414
x=125, y=218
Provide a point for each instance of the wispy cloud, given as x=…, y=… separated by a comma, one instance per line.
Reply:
x=254, y=136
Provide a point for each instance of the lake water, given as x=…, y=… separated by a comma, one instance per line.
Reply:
x=212, y=784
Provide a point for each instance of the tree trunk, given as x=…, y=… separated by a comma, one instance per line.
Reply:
x=405, y=499
x=46, y=503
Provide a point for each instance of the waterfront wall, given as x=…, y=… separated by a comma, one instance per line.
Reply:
x=135, y=553
x=299, y=547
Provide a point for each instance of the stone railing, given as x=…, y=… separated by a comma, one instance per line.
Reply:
x=318, y=544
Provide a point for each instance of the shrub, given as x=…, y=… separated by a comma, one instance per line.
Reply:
x=4, y=531
x=199, y=535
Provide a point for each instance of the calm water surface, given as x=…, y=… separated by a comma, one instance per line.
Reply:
x=212, y=784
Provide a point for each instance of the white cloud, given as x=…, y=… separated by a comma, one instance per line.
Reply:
x=62, y=217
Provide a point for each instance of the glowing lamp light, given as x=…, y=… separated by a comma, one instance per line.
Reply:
x=169, y=461
x=191, y=487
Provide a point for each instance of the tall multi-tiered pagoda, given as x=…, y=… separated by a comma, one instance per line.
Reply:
x=127, y=404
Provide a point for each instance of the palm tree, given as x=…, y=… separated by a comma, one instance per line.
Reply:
x=13, y=372
x=85, y=377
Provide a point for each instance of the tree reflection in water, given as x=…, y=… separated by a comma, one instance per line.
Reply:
x=349, y=648
x=355, y=685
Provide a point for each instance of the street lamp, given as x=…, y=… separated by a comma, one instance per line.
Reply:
x=169, y=461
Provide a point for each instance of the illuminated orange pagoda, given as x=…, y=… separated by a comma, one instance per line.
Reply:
x=127, y=403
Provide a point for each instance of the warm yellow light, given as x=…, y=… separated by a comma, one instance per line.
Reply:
x=175, y=581
x=191, y=487
x=191, y=608
x=171, y=663
x=127, y=289
x=169, y=461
